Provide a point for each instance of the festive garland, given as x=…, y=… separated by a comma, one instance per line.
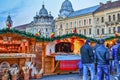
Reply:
x=41, y=38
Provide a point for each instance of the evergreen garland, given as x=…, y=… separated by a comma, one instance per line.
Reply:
x=39, y=38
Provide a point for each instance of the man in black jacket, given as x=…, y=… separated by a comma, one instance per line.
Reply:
x=87, y=60
x=102, y=57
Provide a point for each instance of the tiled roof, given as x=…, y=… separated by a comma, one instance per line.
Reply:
x=83, y=11
x=21, y=26
x=108, y=5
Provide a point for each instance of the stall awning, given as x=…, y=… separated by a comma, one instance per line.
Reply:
x=17, y=55
x=67, y=57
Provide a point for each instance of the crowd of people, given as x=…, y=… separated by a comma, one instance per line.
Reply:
x=100, y=60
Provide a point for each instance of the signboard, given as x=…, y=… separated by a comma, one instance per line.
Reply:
x=16, y=55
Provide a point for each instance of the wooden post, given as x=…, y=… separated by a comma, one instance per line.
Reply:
x=14, y=77
x=5, y=77
x=26, y=76
x=43, y=57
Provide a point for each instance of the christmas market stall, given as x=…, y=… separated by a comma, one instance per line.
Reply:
x=18, y=49
x=63, y=53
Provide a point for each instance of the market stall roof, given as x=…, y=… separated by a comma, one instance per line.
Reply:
x=24, y=34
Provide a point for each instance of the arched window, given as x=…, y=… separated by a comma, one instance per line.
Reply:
x=113, y=17
x=98, y=32
x=109, y=18
x=118, y=16
x=102, y=19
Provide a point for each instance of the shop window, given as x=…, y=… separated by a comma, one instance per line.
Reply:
x=64, y=47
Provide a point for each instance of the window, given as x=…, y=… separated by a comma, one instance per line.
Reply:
x=90, y=21
x=66, y=25
x=98, y=32
x=113, y=17
x=102, y=19
x=46, y=29
x=79, y=22
x=118, y=16
x=79, y=31
x=52, y=30
x=75, y=24
x=118, y=29
x=70, y=24
x=114, y=30
x=84, y=31
x=109, y=18
x=90, y=31
x=103, y=32
x=61, y=26
x=67, y=32
x=84, y=22
x=109, y=30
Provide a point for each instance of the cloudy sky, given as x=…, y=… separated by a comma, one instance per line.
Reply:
x=23, y=11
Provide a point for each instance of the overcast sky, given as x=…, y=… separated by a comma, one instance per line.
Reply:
x=23, y=11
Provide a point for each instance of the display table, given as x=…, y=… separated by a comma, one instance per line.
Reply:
x=67, y=57
x=68, y=62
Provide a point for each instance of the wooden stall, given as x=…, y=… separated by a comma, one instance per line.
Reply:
x=62, y=55
x=17, y=47
x=51, y=57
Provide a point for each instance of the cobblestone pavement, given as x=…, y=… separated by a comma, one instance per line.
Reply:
x=65, y=77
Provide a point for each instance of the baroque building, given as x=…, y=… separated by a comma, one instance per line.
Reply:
x=102, y=19
x=42, y=23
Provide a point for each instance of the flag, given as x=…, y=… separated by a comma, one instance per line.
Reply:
x=37, y=34
x=52, y=35
x=75, y=31
x=116, y=33
x=101, y=36
x=9, y=24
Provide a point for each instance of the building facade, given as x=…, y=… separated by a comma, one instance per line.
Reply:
x=42, y=23
x=102, y=19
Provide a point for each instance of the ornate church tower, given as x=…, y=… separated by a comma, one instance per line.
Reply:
x=43, y=22
x=66, y=9
x=9, y=22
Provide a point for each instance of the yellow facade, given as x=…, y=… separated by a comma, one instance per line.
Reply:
x=94, y=24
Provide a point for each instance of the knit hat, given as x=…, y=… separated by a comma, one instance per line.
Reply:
x=88, y=40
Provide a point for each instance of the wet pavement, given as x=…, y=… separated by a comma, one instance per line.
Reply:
x=65, y=77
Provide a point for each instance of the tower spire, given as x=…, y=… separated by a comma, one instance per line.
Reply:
x=9, y=22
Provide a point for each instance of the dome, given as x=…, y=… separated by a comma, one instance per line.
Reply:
x=66, y=5
x=43, y=11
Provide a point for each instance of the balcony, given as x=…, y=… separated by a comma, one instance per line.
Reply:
x=112, y=22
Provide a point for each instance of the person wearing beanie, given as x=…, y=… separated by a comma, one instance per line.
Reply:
x=115, y=57
x=87, y=58
x=102, y=59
